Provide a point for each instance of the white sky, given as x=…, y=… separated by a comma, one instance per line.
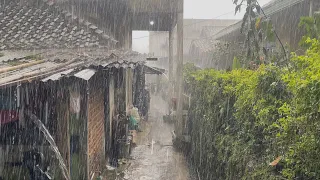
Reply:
x=195, y=9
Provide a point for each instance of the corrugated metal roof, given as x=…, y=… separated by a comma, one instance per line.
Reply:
x=57, y=63
x=209, y=31
x=279, y=5
x=122, y=64
x=57, y=76
x=203, y=45
x=269, y=9
x=85, y=74
x=154, y=70
x=64, y=44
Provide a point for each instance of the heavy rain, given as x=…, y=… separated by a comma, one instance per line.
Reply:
x=159, y=89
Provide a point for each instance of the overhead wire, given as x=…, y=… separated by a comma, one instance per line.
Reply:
x=276, y=34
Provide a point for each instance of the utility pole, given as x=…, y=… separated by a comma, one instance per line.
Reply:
x=179, y=75
x=311, y=8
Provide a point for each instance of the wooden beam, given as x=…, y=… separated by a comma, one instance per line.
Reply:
x=3, y=70
x=171, y=55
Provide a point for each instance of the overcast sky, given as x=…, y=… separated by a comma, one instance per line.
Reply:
x=196, y=9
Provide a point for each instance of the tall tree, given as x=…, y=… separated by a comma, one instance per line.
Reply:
x=248, y=26
x=258, y=28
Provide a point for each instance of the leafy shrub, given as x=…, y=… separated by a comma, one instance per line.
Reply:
x=244, y=119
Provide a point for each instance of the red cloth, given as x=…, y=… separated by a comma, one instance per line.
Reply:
x=8, y=116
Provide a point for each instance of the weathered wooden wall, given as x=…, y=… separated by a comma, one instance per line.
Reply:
x=96, y=126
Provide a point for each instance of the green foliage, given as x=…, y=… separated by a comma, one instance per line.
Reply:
x=1, y=54
x=257, y=30
x=311, y=25
x=244, y=119
x=15, y=62
x=265, y=28
x=33, y=57
x=248, y=26
x=236, y=63
x=260, y=34
x=220, y=52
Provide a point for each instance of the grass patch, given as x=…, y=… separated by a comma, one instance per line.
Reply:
x=33, y=57
x=15, y=62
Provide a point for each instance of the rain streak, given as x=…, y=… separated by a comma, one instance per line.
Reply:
x=159, y=89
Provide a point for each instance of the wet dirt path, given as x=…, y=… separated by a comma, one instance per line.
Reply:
x=154, y=158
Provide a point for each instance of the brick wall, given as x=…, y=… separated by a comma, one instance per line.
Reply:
x=96, y=131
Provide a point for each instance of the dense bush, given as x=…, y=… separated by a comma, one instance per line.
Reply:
x=243, y=120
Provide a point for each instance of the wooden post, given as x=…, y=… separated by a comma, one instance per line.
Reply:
x=2, y=160
x=179, y=76
x=87, y=173
x=158, y=84
x=111, y=110
x=171, y=76
x=171, y=55
x=130, y=39
x=63, y=142
x=128, y=80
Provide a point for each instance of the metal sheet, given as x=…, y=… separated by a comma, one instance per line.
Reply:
x=90, y=64
x=57, y=76
x=153, y=70
x=269, y=9
x=85, y=74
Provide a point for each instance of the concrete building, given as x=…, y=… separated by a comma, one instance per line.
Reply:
x=193, y=29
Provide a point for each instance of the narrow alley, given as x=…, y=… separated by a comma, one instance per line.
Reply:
x=159, y=89
x=154, y=158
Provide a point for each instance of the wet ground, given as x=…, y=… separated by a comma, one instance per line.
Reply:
x=154, y=158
